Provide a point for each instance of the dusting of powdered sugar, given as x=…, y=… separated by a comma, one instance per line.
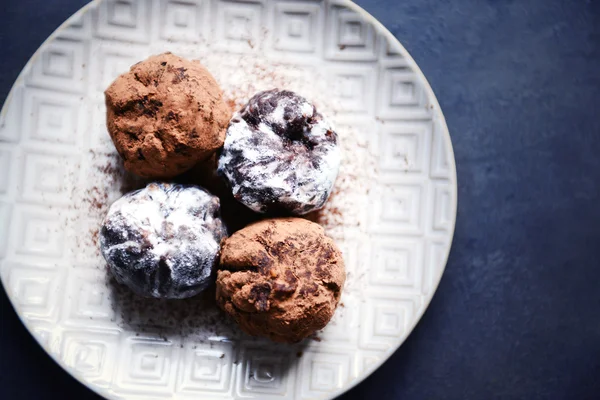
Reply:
x=163, y=241
x=280, y=154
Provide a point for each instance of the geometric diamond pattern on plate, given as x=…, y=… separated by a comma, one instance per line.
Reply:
x=80, y=27
x=38, y=232
x=363, y=130
x=385, y=320
x=59, y=67
x=402, y=95
x=142, y=317
x=353, y=88
x=35, y=291
x=398, y=209
x=397, y=263
x=296, y=26
x=404, y=146
x=322, y=372
x=367, y=359
x=390, y=53
x=184, y=20
x=51, y=117
x=443, y=207
x=440, y=154
x=100, y=139
x=10, y=117
x=40, y=333
x=90, y=303
x=148, y=365
x=343, y=327
x=349, y=36
x=350, y=250
x=124, y=20
x=238, y=26
x=264, y=374
x=91, y=353
x=48, y=179
x=206, y=367
x=5, y=219
x=434, y=262
x=111, y=59
x=5, y=163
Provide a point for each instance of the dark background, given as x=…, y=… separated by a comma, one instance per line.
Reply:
x=517, y=313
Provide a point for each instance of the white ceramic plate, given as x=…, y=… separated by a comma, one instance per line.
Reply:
x=393, y=214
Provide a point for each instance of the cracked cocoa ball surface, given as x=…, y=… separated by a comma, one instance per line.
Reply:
x=280, y=278
x=165, y=115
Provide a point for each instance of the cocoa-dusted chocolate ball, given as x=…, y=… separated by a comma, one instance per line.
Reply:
x=163, y=241
x=280, y=278
x=280, y=154
x=165, y=115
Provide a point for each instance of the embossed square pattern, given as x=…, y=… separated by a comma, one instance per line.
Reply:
x=57, y=176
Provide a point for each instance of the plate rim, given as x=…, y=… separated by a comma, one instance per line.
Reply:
x=392, y=40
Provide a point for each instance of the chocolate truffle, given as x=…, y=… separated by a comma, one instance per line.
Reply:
x=165, y=115
x=280, y=278
x=280, y=154
x=163, y=241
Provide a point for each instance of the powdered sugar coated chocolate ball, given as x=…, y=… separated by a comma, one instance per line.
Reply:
x=280, y=154
x=165, y=115
x=163, y=241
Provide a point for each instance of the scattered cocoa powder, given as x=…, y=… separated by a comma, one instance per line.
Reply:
x=232, y=105
x=199, y=316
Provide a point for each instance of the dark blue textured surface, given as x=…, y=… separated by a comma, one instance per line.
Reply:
x=517, y=314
